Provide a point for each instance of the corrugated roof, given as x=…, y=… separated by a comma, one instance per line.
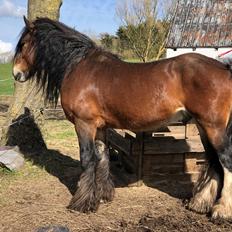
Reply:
x=201, y=23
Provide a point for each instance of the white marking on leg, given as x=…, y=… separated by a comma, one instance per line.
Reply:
x=180, y=109
x=101, y=149
x=223, y=209
x=205, y=192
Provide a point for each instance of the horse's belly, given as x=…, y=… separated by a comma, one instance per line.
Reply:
x=150, y=123
x=180, y=116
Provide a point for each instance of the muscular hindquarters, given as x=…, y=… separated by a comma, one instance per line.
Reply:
x=208, y=91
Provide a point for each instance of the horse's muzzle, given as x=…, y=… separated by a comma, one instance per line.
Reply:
x=19, y=76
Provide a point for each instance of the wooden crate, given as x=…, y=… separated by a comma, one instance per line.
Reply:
x=174, y=153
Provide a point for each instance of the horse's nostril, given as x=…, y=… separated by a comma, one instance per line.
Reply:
x=18, y=76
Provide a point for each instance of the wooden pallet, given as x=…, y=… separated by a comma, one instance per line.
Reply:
x=174, y=153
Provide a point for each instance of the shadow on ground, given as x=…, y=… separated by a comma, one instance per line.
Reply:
x=28, y=137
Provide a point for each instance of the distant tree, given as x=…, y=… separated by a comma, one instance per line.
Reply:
x=107, y=40
x=144, y=31
x=123, y=41
x=166, y=10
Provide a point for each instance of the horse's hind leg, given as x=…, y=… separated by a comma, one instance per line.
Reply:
x=105, y=185
x=223, y=208
x=208, y=186
x=219, y=137
x=85, y=199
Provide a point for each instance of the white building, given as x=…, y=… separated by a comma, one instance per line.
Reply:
x=201, y=26
x=6, y=57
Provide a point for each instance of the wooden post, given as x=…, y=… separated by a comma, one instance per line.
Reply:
x=140, y=139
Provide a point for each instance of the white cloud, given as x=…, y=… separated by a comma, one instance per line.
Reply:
x=5, y=47
x=7, y=8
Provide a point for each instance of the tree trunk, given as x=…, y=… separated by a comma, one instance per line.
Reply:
x=44, y=8
x=24, y=123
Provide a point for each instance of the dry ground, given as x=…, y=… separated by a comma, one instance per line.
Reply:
x=37, y=197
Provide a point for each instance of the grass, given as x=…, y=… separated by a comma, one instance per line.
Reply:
x=6, y=80
x=65, y=132
x=133, y=60
x=29, y=170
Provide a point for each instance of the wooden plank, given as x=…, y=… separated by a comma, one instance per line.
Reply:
x=128, y=163
x=177, y=132
x=120, y=132
x=118, y=141
x=190, y=166
x=194, y=162
x=159, y=159
x=200, y=167
x=163, y=169
x=170, y=146
x=140, y=138
x=200, y=156
x=178, y=178
x=130, y=134
x=191, y=131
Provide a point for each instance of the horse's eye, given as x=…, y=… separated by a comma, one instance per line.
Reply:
x=24, y=45
x=23, y=42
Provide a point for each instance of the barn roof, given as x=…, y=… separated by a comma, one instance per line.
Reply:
x=201, y=23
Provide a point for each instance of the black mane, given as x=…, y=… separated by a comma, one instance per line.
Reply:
x=57, y=49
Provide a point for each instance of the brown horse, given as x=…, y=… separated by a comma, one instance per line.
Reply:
x=98, y=90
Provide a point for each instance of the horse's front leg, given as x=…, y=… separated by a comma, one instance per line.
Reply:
x=86, y=197
x=105, y=186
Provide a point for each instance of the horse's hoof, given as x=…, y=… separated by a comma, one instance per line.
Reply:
x=82, y=208
x=199, y=205
x=86, y=206
x=108, y=192
x=222, y=211
x=107, y=195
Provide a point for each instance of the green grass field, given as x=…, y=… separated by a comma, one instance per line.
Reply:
x=6, y=80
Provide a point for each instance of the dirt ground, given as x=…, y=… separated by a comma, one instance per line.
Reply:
x=35, y=198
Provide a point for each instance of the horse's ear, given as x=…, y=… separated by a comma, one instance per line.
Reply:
x=28, y=24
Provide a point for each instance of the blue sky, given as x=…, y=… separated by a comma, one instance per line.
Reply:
x=88, y=16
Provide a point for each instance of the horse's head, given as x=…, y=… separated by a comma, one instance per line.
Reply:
x=24, y=55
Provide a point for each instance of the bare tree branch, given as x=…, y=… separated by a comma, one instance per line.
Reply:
x=142, y=21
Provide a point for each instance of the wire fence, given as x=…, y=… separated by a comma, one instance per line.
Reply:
x=41, y=111
x=20, y=120
x=5, y=79
x=17, y=121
